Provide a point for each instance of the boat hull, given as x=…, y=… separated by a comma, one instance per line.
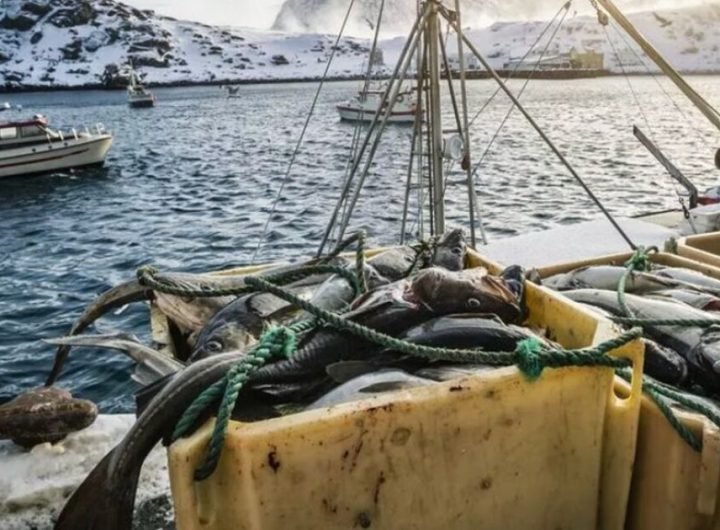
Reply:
x=46, y=158
x=142, y=103
x=351, y=114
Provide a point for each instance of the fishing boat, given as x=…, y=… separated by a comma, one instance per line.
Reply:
x=492, y=450
x=367, y=102
x=31, y=146
x=138, y=95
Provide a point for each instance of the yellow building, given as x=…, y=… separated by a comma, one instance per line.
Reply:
x=587, y=60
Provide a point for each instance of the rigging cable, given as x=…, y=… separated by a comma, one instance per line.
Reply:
x=520, y=93
x=545, y=138
x=485, y=105
x=355, y=143
x=672, y=100
x=641, y=109
x=302, y=133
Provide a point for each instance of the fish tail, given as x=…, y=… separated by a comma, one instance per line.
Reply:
x=99, y=503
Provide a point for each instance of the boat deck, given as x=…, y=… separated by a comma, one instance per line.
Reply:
x=570, y=243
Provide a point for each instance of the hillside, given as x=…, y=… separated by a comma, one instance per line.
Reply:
x=74, y=43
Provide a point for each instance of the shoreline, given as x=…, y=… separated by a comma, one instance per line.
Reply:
x=472, y=75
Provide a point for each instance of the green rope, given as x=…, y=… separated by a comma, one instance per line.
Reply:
x=639, y=261
x=147, y=276
x=531, y=357
x=643, y=322
x=523, y=358
x=276, y=343
x=658, y=392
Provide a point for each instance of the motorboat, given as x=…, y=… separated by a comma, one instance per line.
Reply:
x=30, y=147
x=138, y=95
x=364, y=106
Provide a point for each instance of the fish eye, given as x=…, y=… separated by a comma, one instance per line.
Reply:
x=473, y=303
x=213, y=346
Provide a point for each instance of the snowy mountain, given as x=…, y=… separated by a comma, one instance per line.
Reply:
x=64, y=43
x=78, y=42
x=689, y=39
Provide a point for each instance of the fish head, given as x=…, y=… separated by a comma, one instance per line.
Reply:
x=450, y=250
x=234, y=327
x=471, y=291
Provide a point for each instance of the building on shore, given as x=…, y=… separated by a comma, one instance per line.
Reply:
x=572, y=60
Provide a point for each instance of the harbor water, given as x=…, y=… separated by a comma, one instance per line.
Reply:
x=189, y=184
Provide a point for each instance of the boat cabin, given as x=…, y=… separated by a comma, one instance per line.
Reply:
x=19, y=133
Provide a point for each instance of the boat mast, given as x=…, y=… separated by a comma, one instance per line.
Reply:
x=432, y=37
x=703, y=106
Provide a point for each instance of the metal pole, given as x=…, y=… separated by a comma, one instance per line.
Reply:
x=467, y=163
x=432, y=34
x=542, y=134
x=378, y=136
x=366, y=141
x=703, y=106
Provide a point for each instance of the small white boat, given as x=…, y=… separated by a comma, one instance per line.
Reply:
x=364, y=106
x=138, y=95
x=30, y=147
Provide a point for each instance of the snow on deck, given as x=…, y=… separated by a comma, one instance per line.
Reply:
x=35, y=484
x=575, y=242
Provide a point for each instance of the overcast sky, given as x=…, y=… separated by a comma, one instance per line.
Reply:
x=261, y=13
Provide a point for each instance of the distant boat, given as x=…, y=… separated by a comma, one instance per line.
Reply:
x=30, y=147
x=5, y=106
x=364, y=106
x=138, y=95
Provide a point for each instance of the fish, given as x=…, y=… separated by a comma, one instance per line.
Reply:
x=698, y=300
x=239, y=325
x=118, y=296
x=368, y=385
x=190, y=314
x=133, y=291
x=690, y=278
x=45, y=414
x=450, y=251
x=151, y=364
x=661, y=363
x=700, y=347
x=106, y=497
x=395, y=263
x=469, y=331
x=606, y=277
x=394, y=309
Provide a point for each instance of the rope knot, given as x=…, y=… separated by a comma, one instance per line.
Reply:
x=529, y=359
x=144, y=273
x=640, y=260
x=281, y=340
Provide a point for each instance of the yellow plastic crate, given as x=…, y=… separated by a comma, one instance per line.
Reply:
x=673, y=486
x=704, y=248
x=489, y=451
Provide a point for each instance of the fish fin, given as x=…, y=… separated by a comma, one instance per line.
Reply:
x=146, y=375
x=145, y=395
x=94, y=505
x=387, y=386
x=118, y=296
x=343, y=371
